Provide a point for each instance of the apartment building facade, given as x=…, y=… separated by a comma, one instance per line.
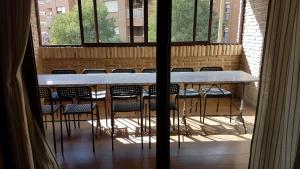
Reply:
x=228, y=15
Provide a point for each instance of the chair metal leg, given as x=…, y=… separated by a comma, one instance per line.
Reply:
x=178, y=128
x=197, y=106
x=112, y=130
x=191, y=104
x=74, y=120
x=61, y=133
x=231, y=102
x=93, y=135
x=105, y=109
x=149, y=117
x=53, y=130
x=46, y=122
x=57, y=114
x=69, y=123
x=142, y=128
x=173, y=120
x=218, y=103
x=200, y=109
x=145, y=115
x=138, y=118
x=67, y=126
x=204, y=112
x=98, y=119
x=78, y=120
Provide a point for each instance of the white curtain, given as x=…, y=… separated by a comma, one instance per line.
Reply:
x=27, y=148
x=276, y=135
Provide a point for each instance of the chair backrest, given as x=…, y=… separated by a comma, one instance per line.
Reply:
x=45, y=93
x=174, y=89
x=183, y=69
x=93, y=71
x=123, y=71
x=63, y=71
x=125, y=90
x=74, y=92
x=149, y=70
x=211, y=68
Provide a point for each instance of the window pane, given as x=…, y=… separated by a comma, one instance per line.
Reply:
x=138, y=20
x=88, y=21
x=226, y=21
x=182, y=20
x=113, y=21
x=59, y=22
x=203, y=9
x=152, y=20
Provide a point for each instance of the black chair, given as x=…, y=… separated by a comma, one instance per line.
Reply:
x=145, y=91
x=123, y=71
x=189, y=93
x=183, y=69
x=60, y=71
x=98, y=95
x=174, y=106
x=78, y=108
x=215, y=91
x=63, y=71
x=48, y=109
x=119, y=105
x=149, y=70
x=93, y=71
x=211, y=68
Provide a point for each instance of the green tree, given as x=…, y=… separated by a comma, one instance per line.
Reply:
x=152, y=23
x=65, y=27
x=203, y=10
x=183, y=20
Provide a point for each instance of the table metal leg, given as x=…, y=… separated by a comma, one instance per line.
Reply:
x=240, y=117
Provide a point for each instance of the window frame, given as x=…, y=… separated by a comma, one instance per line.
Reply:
x=146, y=41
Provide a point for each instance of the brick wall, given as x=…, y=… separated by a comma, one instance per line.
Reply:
x=226, y=56
x=253, y=38
x=34, y=30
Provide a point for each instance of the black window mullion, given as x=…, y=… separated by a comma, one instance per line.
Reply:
x=80, y=21
x=210, y=20
x=195, y=21
x=163, y=61
x=131, y=21
x=145, y=21
x=96, y=20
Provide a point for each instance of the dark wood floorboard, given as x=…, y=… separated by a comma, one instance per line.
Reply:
x=222, y=146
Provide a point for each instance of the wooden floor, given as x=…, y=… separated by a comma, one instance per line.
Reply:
x=217, y=144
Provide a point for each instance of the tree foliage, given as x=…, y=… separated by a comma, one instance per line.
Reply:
x=65, y=27
x=183, y=20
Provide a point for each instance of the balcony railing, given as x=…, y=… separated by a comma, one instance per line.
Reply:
x=137, y=12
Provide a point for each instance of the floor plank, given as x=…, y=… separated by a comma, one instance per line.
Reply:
x=217, y=144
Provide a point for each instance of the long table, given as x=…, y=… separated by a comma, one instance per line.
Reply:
x=207, y=77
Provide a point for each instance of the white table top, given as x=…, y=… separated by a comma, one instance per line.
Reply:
x=213, y=77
